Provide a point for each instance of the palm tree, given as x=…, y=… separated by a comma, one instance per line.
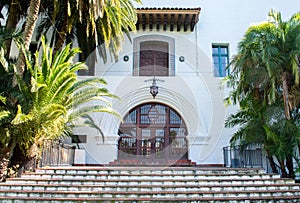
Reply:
x=283, y=136
x=267, y=60
x=266, y=68
x=266, y=126
x=251, y=122
x=104, y=21
x=56, y=101
x=8, y=97
x=92, y=23
x=289, y=49
x=59, y=96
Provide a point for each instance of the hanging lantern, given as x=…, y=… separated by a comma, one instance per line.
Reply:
x=154, y=88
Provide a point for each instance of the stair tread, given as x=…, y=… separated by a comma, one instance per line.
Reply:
x=148, y=179
x=147, y=174
x=156, y=185
x=150, y=192
x=141, y=168
x=147, y=184
x=178, y=199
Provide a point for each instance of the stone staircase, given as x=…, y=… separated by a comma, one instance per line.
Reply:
x=148, y=184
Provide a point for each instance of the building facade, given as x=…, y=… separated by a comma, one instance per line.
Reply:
x=179, y=51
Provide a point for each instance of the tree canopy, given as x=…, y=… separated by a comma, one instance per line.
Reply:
x=41, y=96
x=265, y=82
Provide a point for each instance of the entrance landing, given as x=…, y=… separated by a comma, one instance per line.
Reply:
x=135, y=162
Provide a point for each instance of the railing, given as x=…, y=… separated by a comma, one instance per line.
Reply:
x=152, y=148
x=246, y=158
x=236, y=157
x=56, y=153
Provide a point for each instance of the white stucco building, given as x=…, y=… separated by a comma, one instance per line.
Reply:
x=185, y=46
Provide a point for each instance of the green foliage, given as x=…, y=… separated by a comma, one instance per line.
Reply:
x=265, y=82
x=267, y=51
x=51, y=101
x=93, y=23
x=59, y=97
x=250, y=121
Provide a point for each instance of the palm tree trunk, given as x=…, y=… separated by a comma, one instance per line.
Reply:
x=282, y=167
x=62, y=33
x=290, y=167
x=11, y=24
x=27, y=35
x=289, y=160
x=5, y=156
x=4, y=162
x=286, y=95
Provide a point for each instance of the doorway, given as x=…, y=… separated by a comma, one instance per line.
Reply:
x=152, y=132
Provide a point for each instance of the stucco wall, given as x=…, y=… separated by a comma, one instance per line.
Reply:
x=193, y=92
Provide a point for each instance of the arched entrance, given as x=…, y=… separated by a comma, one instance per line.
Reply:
x=153, y=133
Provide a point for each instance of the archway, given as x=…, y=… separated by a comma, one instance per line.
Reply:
x=153, y=133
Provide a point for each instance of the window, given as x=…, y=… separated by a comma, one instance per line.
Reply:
x=79, y=139
x=220, y=59
x=154, y=55
x=154, y=58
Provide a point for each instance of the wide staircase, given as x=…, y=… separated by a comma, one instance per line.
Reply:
x=148, y=184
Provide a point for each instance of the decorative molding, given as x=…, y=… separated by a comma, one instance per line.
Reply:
x=108, y=140
x=198, y=140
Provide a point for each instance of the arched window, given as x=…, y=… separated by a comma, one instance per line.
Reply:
x=153, y=132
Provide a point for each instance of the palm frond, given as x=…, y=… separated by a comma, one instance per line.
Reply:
x=20, y=117
x=86, y=110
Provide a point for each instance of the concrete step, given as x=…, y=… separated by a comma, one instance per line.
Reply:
x=140, y=187
x=149, y=181
x=155, y=196
x=149, y=170
x=147, y=184
x=147, y=175
x=146, y=194
x=285, y=199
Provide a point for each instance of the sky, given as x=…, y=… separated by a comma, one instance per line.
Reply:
x=287, y=8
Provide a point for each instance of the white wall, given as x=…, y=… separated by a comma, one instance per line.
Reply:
x=193, y=92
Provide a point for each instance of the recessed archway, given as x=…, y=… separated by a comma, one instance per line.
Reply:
x=153, y=133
